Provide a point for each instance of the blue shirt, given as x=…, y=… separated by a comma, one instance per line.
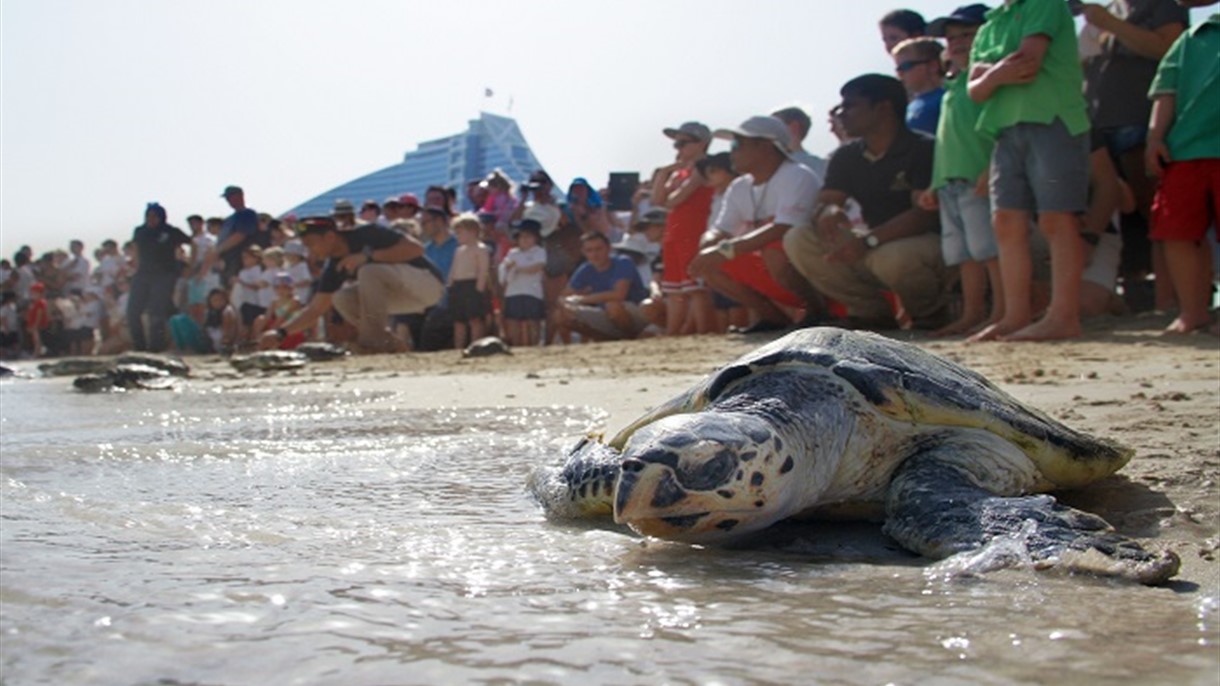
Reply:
x=243, y=221
x=923, y=111
x=586, y=279
x=442, y=255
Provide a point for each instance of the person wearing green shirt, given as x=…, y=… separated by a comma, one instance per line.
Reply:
x=1183, y=149
x=1025, y=73
x=959, y=180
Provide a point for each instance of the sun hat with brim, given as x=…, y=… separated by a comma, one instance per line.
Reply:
x=694, y=129
x=637, y=244
x=967, y=15
x=761, y=126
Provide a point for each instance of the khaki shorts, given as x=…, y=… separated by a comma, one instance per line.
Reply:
x=596, y=319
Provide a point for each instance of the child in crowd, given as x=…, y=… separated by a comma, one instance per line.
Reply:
x=468, y=281
x=37, y=318
x=918, y=64
x=499, y=201
x=247, y=292
x=10, y=326
x=280, y=310
x=959, y=178
x=1025, y=72
x=521, y=273
x=92, y=319
x=221, y=323
x=298, y=268
x=1183, y=149
x=273, y=264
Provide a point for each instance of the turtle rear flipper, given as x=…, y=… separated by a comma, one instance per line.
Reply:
x=935, y=507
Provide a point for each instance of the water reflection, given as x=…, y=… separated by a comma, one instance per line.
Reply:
x=335, y=538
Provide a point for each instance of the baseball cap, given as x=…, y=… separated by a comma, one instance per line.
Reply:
x=694, y=129
x=409, y=199
x=760, y=126
x=970, y=15
x=315, y=224
x=231, y=190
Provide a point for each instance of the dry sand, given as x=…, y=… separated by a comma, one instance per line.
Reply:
x=1158, y=394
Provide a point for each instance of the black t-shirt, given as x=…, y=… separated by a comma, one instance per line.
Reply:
x=882, y=187
x=375, y=237
x=158, y=248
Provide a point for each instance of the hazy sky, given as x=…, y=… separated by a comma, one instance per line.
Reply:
x=108, y=104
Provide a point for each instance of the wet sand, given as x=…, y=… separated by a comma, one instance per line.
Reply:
x=1160, y=395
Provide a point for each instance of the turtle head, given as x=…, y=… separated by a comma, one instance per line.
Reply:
x=704, y=478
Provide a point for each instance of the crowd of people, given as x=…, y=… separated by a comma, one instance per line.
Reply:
x=1011, y=178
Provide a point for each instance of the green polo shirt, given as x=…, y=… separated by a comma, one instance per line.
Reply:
x=1057, y=90
x=1191, y=72
x=962, y=151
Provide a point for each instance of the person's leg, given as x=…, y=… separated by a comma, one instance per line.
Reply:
x=137, y=302
x=914, y=270
x=676, y=311
x=1012, y=238
x=1190, y=268
x=974, y=300
x=1062, y=319
x=786, y=275
x=853, y=285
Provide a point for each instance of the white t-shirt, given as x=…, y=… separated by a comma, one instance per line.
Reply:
x=243, y=294
x=302, y=281
x=517, y=283
x=9, y=321
x=108, y=269
x=786, y=198
x=77, y=269
x=266, y=294
x=546, y=215
x=90, y=313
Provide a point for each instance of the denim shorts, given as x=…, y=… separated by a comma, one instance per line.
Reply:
x=1040, y=168
x=1120, y=139
x=966, y=234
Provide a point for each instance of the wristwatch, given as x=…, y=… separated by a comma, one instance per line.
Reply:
x=727, y=248
x=368, y=253
x=871, y=240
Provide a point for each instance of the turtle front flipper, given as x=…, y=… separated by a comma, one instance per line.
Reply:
x=583, y=487
x=940, y=504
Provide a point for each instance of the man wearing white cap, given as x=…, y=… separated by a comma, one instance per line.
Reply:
x=743, y=257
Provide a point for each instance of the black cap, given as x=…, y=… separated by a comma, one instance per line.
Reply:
x=969, y=15
x=231, y=190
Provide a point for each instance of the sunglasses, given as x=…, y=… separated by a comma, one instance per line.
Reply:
x=907, y=65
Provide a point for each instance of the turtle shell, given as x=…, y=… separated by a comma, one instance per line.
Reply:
x=909, y=384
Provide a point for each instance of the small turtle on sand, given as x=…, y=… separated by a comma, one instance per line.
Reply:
x=126, y=377
x=487, y=346
x=831, y=421
x=320, y=351
x=172, y=365
x=269, y=360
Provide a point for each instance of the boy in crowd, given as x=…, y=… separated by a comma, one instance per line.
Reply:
x=1025, y=72
x=959, y=178
x=1183, y=149
x=468, y=281
x=918, y=65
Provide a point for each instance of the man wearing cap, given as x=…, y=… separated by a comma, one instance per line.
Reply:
x=883, y=169
x=238, y=232
x=369, y=273
x=680, y=188
x=743, y=257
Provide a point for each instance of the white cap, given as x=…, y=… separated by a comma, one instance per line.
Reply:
x=761, y=126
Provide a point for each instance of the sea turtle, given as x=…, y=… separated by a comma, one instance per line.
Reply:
x=124, y=377
x=487, y=346
x=321, y=351
x=828, y=421
x=74, y=366
x=172, y=365
x=269, y=360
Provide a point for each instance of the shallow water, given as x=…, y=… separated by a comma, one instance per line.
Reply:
x=328, y=537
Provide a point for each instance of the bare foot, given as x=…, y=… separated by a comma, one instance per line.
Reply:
x=996, y=331
x=1046, y=330
x=962, y=325
x=1185, y=325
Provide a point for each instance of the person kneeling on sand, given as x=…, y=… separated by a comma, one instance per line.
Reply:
x=369, y=273
x=602, y=300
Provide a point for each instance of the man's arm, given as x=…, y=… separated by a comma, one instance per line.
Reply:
x=306, y=317
x=616, y=294
x=1149, y=43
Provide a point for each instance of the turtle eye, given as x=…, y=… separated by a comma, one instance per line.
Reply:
x=709, y=473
